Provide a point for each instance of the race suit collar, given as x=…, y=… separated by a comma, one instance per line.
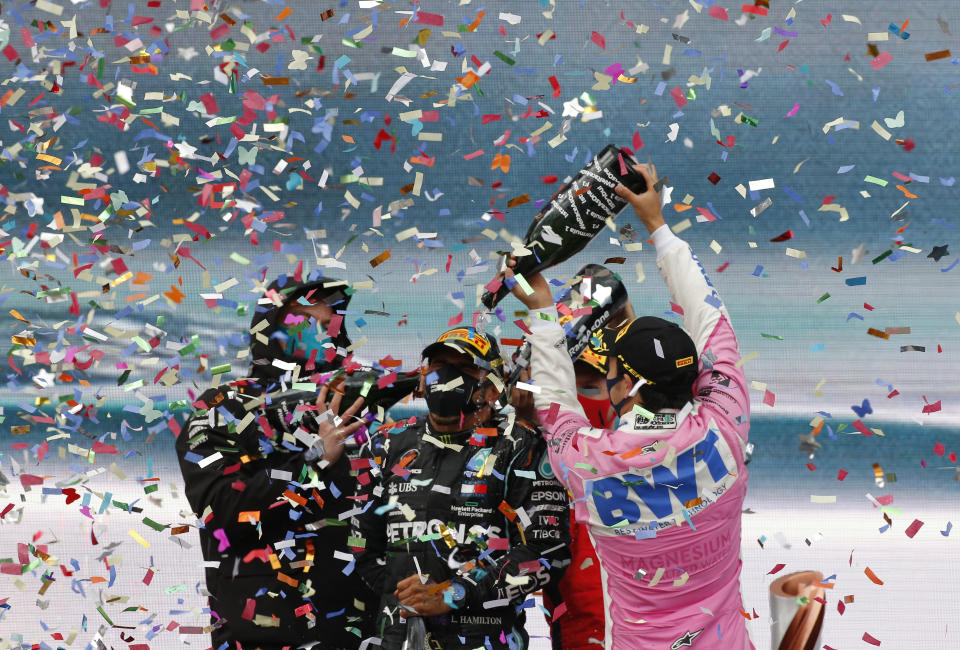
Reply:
x=457, y=437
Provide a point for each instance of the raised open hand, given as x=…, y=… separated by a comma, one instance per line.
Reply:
x=334, y=429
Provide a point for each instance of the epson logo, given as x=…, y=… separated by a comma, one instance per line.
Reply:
x=547, y=495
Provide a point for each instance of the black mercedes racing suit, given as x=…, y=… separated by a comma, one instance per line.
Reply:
x=485, y=496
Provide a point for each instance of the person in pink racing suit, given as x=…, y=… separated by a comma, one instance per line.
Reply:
x=662, y=493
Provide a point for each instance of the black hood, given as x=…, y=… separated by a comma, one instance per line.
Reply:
x=288, y=289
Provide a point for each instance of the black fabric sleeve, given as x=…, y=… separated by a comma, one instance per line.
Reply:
x=539, y=549
x=368, y=525
x=239, y=481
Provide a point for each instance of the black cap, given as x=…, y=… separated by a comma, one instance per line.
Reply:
x=658, y=351
x=482, y=348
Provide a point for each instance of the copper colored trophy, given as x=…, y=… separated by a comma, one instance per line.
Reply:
x=797, y=609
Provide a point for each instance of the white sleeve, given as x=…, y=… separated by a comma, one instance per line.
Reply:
x=691, y=289
x=551, y=369
x=664, y=239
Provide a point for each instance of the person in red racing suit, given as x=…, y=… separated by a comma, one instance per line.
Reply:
x=579, y=625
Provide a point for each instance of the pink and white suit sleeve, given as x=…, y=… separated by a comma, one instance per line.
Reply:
x=662, y=497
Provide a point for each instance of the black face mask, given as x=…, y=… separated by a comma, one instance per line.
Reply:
x=451, y=403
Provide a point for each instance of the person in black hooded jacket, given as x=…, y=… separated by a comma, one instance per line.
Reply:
x=272, y=487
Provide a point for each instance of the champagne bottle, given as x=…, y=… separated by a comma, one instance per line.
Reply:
x=362, y=382
x=601, y=294
x=574, y=216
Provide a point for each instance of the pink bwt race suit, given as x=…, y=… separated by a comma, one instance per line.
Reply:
x=662, y=497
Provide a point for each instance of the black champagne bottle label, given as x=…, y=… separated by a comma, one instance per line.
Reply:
x=575, y=214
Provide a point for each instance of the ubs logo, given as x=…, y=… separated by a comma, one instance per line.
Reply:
x=401, y=487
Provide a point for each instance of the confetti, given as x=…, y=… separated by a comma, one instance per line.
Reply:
x=935, y=56
x=163, y=166
x=380, y=259
x=872, y=576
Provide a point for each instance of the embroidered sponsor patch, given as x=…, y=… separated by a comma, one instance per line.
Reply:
x=476, y=462
x=544, y=467
x=686, y=640
x=659, y=421
x=473, y=488
x=408, y=458
x=663, y=495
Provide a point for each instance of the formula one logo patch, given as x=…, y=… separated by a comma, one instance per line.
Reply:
x=686, y=640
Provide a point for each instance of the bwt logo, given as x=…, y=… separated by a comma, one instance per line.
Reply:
x=632, y=497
